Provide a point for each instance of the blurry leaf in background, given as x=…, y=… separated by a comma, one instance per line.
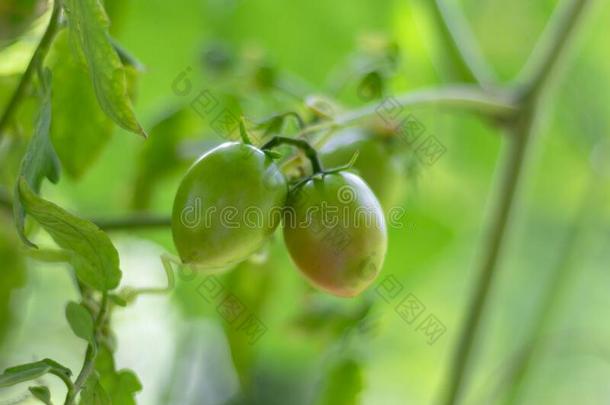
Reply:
x=89, y=27
x=12, y=273
x=40, y=160
x=160, y=155
x=343, y=384
x=251, y=283
x=94, y=257
x=80, y=129
x=120, y=386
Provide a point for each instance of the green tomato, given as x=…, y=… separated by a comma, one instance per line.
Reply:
x=380, y=169
x=335, y=231
x=228, y=204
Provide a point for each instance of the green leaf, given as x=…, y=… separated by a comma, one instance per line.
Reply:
x=40, y=160
x=160, y=155
x=121, y=385
x=42, y=394
x=16, y=375
x=80, y=130
x=94, y=393
x=32, y=371
x=80, y=321
x=89, y=24
x=94, y=257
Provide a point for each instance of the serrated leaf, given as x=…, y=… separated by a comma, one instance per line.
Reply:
x=31, y=371
x=94, y=393
x=89, y=24
x=80, y=321
x=80, y=129
x=94, y=257
x=42, y=394
x=40, y=159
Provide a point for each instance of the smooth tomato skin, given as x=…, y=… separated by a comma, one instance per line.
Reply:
x=382, y=171
x=343, y=253
x=227, y=206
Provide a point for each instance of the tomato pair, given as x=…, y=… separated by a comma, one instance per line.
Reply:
x=233, y=198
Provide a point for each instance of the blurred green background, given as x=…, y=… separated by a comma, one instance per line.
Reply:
x=315, y=348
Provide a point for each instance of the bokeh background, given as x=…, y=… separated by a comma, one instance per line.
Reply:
x=316, y=348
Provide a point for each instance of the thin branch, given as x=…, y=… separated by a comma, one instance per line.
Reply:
x=521, y=128
x=136, y=221
x=472, y=98
x=549, y=49
x=133, y=222
x=90, y=355
x=303, y=145
x=462, y=97
x=38, y=57
x=592, y=199
x=496, y=236
x=462, y=44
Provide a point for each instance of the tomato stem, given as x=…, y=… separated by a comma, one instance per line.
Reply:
x=302, y=144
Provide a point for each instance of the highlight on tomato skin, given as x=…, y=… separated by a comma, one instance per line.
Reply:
x=381, y=169
x=335, y=232
x=214, y=198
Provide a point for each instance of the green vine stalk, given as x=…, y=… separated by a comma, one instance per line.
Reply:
x=545, y=59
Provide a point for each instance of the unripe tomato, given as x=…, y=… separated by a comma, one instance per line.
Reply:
x=380, y=169
x=227, y=205
x=335, y=231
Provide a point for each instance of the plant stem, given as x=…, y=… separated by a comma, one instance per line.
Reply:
x=592, y=199
x=461, y=43
x=496, y=236
x=492, y=104
x=466, y=97
x=545, y=57
x=521, y=125
x=90, y=355
x=133, y=222
x=309, y=151
x=137, y=221
x=38, y=57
